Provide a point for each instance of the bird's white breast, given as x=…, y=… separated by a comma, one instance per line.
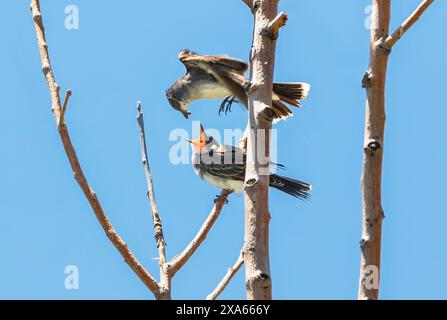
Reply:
x=213, y=90
x=222, y=183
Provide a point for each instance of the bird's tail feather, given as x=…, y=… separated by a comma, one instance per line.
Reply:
x=290, y=93
x=293, y=187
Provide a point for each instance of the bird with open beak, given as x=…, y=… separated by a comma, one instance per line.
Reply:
x=222, y=77
x=224, y=167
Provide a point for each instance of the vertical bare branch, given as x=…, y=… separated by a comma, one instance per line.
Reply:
x=374, y=82
x=89, y=193
x=169, y=269
x=227, y=278
x=165, y=279
x=257, y=215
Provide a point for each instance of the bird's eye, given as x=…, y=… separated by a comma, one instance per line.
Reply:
x=210, y=139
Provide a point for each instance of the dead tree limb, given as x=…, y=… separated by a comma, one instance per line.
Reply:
x=168, y=269
x=374, y=82
x=89, y=193
x=257, y=215
x=165, y=279
x=162, y=290
x=227, y=278
x=407, y=24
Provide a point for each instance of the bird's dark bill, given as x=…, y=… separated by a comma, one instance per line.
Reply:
x=186, y=114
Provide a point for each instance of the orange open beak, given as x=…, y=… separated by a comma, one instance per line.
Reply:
x=201, y=142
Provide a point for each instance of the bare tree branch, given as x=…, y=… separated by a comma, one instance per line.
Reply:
x=227, y=278
x=272, y=29
x=169, y=269
x=374, y=83
x=257, y=176
x=373, y=150
x=165, y=279
x=411, y=20
x=179, y=260
x=162, y=290
x=89, y=193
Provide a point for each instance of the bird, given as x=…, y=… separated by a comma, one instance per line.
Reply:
x=223, y=77
x=224, y=167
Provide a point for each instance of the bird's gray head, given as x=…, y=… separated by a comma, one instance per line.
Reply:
x=173, y=94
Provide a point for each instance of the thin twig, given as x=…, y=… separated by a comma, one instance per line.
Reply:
x=227, y=278
x=64, y=107
x=89, y=193
x=165, y=280
x=158, y=229
x=179, y=260
x=411, y=20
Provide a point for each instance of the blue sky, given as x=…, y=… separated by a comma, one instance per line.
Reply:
x=128, y=51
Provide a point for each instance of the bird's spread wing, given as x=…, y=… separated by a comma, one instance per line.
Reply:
x=193, y=60
x=228, y=71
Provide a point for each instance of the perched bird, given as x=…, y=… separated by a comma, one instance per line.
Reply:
x=222, y=77
x=224, y=167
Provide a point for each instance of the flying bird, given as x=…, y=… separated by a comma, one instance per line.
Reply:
x=223, y=77
x=224, y=167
